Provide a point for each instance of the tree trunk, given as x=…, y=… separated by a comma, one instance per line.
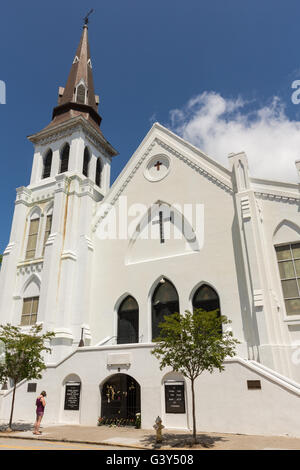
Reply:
x=194, y=413
x=12, y=406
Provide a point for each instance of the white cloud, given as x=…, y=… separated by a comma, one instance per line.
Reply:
x=220, y=126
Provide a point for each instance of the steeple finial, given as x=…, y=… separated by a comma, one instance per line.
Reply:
x=86, y=18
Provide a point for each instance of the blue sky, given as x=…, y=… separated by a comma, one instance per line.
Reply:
x=149, y=58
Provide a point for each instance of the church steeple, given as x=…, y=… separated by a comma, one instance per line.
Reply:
x=78, y=97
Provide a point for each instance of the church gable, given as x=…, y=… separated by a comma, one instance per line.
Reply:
x=166, y=167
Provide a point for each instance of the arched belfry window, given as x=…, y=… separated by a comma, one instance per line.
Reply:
x=165, y=301
x=64, y=158
x=86, y=162
x=98, y=172
x=128, y=321
x=47, y=164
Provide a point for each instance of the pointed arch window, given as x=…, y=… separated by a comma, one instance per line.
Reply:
x=165, y=301
x=86, y=162
x=81, y=94
x=32, y=237
x=128, y=321
x=98, y=172
x=64, y=158
x=206, y=298
x=47, y=164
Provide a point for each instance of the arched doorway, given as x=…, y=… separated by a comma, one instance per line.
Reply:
x=120, y=397
x=165, y=301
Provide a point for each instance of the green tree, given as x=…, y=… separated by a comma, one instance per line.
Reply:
x=194, y=343
x=22, y=356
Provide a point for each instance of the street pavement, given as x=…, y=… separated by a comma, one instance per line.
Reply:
x=131, y=438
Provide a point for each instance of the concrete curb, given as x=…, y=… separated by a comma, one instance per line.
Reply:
x=71, y=441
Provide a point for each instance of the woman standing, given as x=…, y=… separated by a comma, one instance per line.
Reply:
x=40, y=407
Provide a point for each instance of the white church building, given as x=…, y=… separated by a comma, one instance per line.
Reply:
x=101, y=265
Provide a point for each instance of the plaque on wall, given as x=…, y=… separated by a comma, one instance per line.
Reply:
x=72, y=396
x=174, y=395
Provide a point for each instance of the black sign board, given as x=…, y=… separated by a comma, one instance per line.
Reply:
x=174, y=393
x=72, y=396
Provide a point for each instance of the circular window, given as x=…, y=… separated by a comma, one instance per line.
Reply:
x=157, y=168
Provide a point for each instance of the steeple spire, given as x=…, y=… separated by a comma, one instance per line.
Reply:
x=78, y=96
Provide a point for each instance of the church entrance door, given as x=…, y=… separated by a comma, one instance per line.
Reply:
x=120, y=398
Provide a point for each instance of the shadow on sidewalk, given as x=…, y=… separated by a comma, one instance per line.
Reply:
x=182, y=440
x=17, y=427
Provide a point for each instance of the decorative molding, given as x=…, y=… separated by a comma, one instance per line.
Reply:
x=89, y=243
x=258, y=298
x=9, y=248
x=69, y=127
x=51, y=239
x=278, y=197
x=156, y=141
x=68, y=254
x=206, y=173
x=245, y=207
x=29, y=267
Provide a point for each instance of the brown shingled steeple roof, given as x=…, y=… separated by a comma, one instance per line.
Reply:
x=78, y=97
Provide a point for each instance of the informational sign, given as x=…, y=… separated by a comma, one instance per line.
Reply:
x=72, y=396
x=174, y=394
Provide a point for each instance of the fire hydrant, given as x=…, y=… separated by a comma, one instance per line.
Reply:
x=158, y=426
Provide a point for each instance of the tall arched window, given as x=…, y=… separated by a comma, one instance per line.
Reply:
x=32, y=237
x=86, y=162
x=47, y=164
x=128, y=321
x=206, y=298
x=98, y=172
x=165, y=301
x=64, y=158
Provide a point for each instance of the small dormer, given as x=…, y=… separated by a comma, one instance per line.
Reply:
x=81, y=93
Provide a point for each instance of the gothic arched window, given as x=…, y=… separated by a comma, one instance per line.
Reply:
x=80, y=94
x=47, y=164
x=32, y=237
x=86, y=162
x=98, y=172
x=128, y=321
x=206, y=298
x=165, y=301
x=64, y=158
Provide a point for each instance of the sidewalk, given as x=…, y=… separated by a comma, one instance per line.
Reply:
x=145, y=439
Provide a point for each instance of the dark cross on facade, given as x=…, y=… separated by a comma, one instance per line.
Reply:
x=157, y=165
x=161, y=221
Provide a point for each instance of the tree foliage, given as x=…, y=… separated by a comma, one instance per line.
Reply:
x=22, y=354
x=193, y=343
